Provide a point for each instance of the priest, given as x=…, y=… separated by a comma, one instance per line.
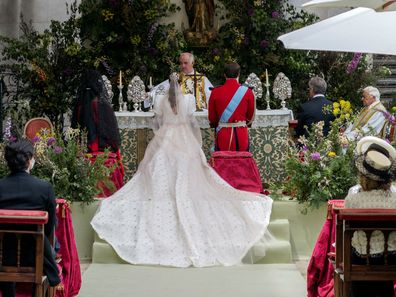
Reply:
x=191, y=82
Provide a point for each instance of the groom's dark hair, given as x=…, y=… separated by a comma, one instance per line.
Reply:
x=232, y=69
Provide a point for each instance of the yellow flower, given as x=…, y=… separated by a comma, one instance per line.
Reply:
x=394, y=108
x=347, y=116
x=135, y=40
x=342, y=103
x=216, y=58
x=107, y=14
x=332, y=154
x=336, y=105
x=347, y=105
x=336, y=111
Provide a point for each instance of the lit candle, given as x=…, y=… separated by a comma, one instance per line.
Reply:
x=151, y=81
x=120, y=79
x=266, y=77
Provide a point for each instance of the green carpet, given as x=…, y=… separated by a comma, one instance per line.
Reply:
x=259, y=280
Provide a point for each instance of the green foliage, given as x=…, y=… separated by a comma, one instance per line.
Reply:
x=249, y=36
x=322, y=168
x=126, y=35
x=46, y=66
x=63, y=162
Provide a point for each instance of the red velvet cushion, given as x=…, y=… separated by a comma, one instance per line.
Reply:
x=11, y=216
x=238, y=169
x=231, y=154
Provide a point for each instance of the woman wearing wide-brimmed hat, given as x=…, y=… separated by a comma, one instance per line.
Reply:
x=376, y=165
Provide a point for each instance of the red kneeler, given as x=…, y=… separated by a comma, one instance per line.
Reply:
x=238, y=169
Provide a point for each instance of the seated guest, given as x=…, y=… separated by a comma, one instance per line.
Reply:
x=231, y=111
x=21, y=191
x=376, y=165
x=312, y=112
x=371, y=120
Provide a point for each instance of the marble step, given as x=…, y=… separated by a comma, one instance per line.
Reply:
x=279, y=250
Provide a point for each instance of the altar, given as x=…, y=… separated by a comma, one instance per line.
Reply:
x=269, y=139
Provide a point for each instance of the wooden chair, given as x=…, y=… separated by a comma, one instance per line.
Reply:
x=22, y=223
x=367, y=220
x=33, y=126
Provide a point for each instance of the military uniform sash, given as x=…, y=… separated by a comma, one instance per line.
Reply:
x=194, y=84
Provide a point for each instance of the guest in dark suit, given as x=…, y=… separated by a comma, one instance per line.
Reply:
x=21, y=191
x=311, y=112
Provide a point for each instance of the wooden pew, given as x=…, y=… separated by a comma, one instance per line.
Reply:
x=367, y=220
x=18, y=224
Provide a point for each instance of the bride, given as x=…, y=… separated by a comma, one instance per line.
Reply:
x=176, y=210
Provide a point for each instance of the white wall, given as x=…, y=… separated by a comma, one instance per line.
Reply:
x=42, y=11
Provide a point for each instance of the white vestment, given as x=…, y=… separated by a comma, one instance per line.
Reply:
x=373, y=126
x=165, y=86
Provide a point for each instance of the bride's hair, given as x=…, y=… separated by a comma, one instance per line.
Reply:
x=173, y=91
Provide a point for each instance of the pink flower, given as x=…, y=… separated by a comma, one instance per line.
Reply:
x=264, y=43
x=275, y=14
x=354, y=63
x=315, y=156
x=58, y=150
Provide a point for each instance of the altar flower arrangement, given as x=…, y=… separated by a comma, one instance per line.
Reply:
x=321, y=168
x=62, y=160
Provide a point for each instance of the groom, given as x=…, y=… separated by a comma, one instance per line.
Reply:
x=231, y=111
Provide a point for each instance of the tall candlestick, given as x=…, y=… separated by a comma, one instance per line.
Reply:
x=120, y=80
x=151, y=81
x=266, y=77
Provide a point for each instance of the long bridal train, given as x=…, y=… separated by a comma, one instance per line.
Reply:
x=176, y=210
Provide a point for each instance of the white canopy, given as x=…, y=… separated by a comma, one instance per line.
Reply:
x=360, y=30
x=378, y=5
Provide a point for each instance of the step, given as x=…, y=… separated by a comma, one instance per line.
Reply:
x=103, y=253
x=274, y=280
x=280, y=229
x=279, y=250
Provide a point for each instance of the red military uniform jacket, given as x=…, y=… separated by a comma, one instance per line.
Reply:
x=236, y=138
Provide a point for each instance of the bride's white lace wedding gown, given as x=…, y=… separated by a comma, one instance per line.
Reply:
x=176, y=210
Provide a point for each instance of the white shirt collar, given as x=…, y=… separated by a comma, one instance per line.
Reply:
x=318, y=95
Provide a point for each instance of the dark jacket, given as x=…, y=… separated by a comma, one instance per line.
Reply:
x=312, y=112
x=23, y=191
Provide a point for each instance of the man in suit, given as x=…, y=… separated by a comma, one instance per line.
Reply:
x=21, y=191
x=371, y=120
x=231, y=111
x=311, y=112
